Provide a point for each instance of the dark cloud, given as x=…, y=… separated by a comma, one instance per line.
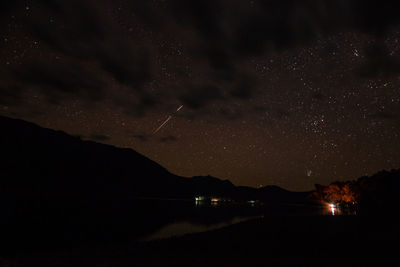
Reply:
x=379, y=62
x=198, y=97
x=91, y=49
x=284, y=24
x=126, y=64
x=96, y=47
x=230, y=114
x=204, y=16
x=10, y=95
x=60, y=76
x=374, y=16
x=75, y=28
x=168, y=139
x=99, y=137
x=142, y=137
x=244, y=87
x=275, y=25
x=221, y=63
x=145, y=11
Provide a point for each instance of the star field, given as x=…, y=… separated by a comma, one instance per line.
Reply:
x=309, y=96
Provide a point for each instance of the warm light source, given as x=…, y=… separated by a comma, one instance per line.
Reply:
x=332, y=208
x=199, y=198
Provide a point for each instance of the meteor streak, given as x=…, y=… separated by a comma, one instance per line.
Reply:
x=165, y=122
x=169, y=117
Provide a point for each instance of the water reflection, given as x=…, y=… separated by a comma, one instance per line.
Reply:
x=187, y=227
x=207, y=214
x=333, y=208
x=212, y=201
x=163, y=219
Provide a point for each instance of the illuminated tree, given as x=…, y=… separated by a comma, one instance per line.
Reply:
x=338, y=192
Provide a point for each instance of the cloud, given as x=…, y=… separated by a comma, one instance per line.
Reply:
x=244, y=87
x=142, y=137
x=379, y=62
x=168, y=139
x=83, y=52
x=99, y=137
x=121, y=57
x=230, y=114
x=10, y=95
x=204, y=16
x=60, y=76
x=198, y=97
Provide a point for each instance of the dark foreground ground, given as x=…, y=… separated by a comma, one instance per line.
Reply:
x=270, y=241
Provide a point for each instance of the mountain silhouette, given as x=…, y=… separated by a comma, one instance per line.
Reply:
x=44, y=169
x=40, y=161
x=44, y=162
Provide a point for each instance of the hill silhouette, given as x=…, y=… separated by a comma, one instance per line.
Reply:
x=39, y=161
x=38, y=164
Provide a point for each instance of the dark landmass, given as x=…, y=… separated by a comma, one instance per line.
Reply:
x=47, y=164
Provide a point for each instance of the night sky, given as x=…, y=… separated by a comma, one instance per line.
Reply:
x=289, y=93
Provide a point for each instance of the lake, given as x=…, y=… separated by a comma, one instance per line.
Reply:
x=188, y=227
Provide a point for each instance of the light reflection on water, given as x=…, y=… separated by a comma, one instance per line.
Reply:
x=213, y=213
x=185, y=227
x=333, y=208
